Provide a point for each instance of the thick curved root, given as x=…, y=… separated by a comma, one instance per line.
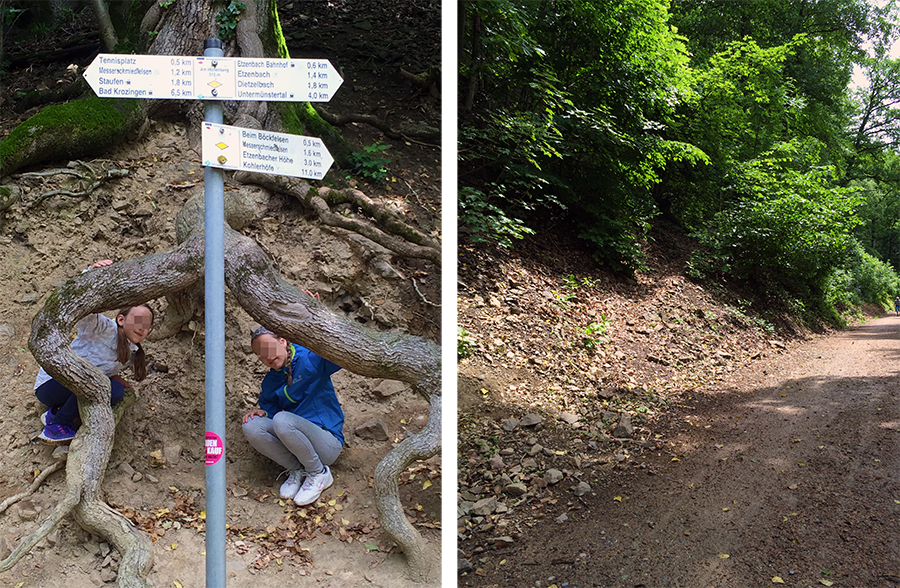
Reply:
x=393, y=520
x=137, y=555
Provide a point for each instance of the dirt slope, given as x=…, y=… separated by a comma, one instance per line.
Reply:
x=270, y=543
x=786, y=466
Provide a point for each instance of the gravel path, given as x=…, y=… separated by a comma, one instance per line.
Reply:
x=789, y=472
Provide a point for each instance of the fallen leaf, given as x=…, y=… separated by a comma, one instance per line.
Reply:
x=174, y=546
x=777, y=580
x=345, y=522
x=618, y=499
x=177, y=584
x=675, y=459
x=824, y=582
x=426, y=485
x=724, y=556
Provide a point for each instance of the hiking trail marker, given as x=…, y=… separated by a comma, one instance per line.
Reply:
x=215, y=78
x=265, y=152
x=175, y=77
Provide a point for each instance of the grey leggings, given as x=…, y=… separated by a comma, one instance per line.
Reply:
x=293, y=442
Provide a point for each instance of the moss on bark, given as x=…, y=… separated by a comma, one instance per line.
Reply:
x=70, y=130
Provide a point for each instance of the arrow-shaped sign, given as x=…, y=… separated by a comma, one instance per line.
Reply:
x=212, y=78
x=265, y=152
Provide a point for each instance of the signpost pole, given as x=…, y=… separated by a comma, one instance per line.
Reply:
x=214, y=222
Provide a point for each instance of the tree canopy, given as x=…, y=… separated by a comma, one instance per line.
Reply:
x=736, y=121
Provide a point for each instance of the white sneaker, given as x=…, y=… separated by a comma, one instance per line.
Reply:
x=292, y=485
x=313, y=486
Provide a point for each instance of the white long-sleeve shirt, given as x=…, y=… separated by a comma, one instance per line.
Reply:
x=97, y=342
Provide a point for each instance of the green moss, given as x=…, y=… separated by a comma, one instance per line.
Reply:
x=77, y=127
x=300, y=118
x=5, y=191
x=280, y=45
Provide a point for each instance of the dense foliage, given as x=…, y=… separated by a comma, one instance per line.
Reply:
x=735, y=120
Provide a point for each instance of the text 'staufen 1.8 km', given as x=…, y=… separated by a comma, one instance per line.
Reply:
x=212, y=78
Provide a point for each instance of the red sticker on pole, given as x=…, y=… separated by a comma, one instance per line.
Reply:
x=214, y=448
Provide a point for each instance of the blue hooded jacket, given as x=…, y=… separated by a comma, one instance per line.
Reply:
x=311, y=394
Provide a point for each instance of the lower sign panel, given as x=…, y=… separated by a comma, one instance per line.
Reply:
x=264, y=152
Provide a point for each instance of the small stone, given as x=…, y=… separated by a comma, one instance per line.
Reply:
x=535, y=449
x=29, y=298
x=239, y=491
x=61, y=452
x=516, y=489
x=553, y=476
x=387, y=388
x=581, y=489
x=152, y=479
x=108, y=575
x=463, y=566
x=484, y=507
x=562, y=518
x=569, y=417
x=6, y=546
x=496, y=463
x=530, y=420
x=104, y=549
x=507, y=451
x=529, y=462
x=373, y=429
x=504, y=541
x=172, y=454
x=624, y=430
x=607, y=415
x=137, y=477
x=509, y=424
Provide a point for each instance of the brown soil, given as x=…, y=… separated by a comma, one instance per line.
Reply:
x=270, y=543
x=754, y=459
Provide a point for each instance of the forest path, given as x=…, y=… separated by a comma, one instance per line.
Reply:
x=789, y=470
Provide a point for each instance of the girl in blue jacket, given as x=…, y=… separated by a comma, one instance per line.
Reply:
x=299, y=421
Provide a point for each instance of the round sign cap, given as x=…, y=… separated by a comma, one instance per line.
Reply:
x=212, y=44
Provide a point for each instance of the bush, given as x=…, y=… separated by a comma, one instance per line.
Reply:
x=863, y=279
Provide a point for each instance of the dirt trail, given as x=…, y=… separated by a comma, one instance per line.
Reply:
x=790, y=469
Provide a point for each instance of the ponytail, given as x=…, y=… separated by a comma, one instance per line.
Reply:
x=123, y=348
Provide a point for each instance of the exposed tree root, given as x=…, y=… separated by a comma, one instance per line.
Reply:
x=422, y=445
x=94, y=181
x=73, y=495
x=391, y=232
x=271, y=301
x=54, y=467
x=419, y=131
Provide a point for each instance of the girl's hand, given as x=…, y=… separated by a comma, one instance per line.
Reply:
x=313, y=295
x=101, y=263
x=253, y=413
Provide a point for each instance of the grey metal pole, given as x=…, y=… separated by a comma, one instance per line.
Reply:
x=214, y=222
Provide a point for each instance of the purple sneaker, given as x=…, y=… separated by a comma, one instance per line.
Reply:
x=56, y=434
x=48, y=418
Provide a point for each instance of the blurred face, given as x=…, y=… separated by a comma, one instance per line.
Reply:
x=136, y=324
x=271, y=350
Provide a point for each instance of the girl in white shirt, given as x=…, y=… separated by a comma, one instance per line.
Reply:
x=110, y=345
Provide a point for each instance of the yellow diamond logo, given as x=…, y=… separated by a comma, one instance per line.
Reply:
x=214, y=84
x=221, y=145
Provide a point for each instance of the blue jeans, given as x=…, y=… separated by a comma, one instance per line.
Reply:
x=63, y=402
x=293, y=442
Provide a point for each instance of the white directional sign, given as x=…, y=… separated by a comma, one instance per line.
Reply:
x=265, y=152
x=212, y=78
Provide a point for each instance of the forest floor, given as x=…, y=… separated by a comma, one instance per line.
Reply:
x=156, y=475
x=654, y=433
